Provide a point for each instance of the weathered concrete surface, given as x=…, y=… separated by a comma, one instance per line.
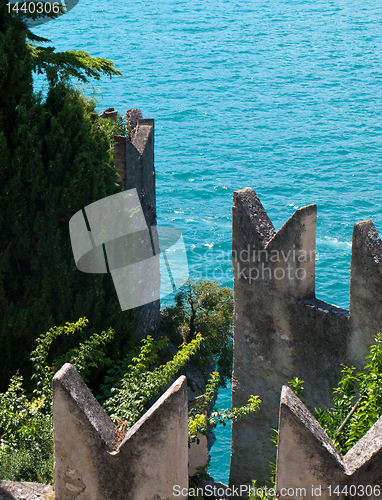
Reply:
x=13, y=490
x=306, y=457
x=365, y=290
x=281, y=330
x=132, y=118
x=134, y=162
x=198, y=456
x=140, y=173
x=119, y=157
x=309, y=465
x=91, y=465
x=110, y=113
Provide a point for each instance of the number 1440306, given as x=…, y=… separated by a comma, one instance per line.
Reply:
x=34, y=7
x=355, y=490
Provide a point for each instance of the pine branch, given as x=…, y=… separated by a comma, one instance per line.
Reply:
x=75, y=63
x=35, y=38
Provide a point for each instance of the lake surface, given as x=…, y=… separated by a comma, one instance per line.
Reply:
x=281, y=96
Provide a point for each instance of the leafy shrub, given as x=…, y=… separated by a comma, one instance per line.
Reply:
x=129, y=397
x=357, y=402
x=26, y=443
x=197, y=419
x=205, y=307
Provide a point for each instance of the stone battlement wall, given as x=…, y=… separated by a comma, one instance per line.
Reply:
x=92, y=464
x=150, y=463
x=281, y=330
x=310, y=466
x=134, y=162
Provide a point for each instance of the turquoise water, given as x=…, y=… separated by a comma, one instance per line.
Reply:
x=282, y=96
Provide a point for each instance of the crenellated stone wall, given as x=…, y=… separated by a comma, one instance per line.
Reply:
x=91, y=463
x=310, y=466
x=134, y=162
x=282, y=331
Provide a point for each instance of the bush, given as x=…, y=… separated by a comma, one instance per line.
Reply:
x=26, y=443
x=198, y=423
x=357, y=402
x=204, y=307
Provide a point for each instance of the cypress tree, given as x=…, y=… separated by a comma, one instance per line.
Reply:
x=55, y=159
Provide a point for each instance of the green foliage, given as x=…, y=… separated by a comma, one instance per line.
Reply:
x=28, y=463
x=235, y=413
x=20, y=12
x=296, y=385
x=87, y=355
x=357, y=402
x=26, y=443
x=197, y=419
x=195, y=482
x=259, y=493
x=72, y=63
x=120, y=126
x=205, y=307
x=111, y=128
x=55, y=159
x=56, y=65
x=139, y=385
x=15, y=72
